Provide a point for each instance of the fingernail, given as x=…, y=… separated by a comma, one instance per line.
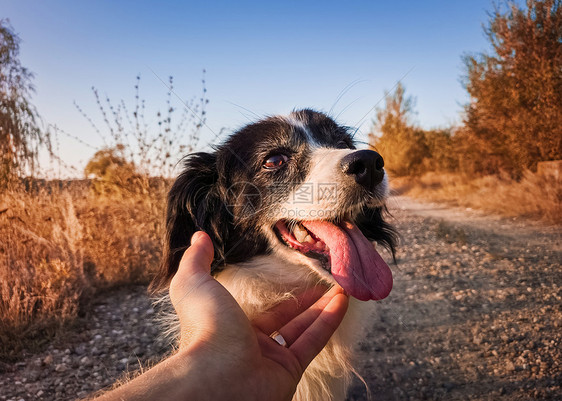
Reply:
x=195, y=236
x=340, y=289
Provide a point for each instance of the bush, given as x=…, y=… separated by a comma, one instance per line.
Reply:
x=111, y=174
x=441, y=153
x=407, y=149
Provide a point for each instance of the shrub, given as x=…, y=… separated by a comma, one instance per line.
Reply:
x=111, y=174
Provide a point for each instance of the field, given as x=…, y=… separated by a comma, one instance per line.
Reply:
x=477, y=296
x=61, y=244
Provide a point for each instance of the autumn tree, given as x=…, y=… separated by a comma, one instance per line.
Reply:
x=514, y=118
x=395, y=138
x=20, y=134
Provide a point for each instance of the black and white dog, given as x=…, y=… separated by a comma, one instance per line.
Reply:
x=289, y=203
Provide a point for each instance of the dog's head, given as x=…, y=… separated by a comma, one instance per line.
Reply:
x=293, y=186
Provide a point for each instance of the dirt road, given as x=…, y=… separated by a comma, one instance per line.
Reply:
x=476, y=313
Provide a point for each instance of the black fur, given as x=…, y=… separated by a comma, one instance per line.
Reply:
x=374, y=228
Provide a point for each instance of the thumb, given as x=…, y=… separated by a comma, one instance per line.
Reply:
x=195, y=262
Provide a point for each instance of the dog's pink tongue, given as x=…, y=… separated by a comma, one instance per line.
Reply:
x=356, y=265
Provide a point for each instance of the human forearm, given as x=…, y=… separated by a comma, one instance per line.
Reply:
x=176, y=378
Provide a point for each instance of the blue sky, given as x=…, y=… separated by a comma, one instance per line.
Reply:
x=264, y=57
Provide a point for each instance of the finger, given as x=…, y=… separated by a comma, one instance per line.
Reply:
x=282, y=313
x=297, y=326
x=197, y=258
x=194, y=267
x=315, y=338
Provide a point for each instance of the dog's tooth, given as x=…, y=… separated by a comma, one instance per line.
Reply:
x=300, y=233
x=309, y=239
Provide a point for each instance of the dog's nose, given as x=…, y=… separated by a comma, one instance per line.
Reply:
x=365, y=166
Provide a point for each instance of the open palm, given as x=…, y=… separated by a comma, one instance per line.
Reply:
x=249, y=363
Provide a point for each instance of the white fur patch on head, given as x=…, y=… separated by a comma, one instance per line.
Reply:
x=298, y=124
x=317, y=197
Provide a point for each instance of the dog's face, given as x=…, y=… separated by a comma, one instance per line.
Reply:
x=293, y=186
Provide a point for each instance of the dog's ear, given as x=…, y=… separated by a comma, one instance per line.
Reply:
x=193, y=203
x=371, y=223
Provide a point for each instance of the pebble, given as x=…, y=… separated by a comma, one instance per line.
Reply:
x=60, y=368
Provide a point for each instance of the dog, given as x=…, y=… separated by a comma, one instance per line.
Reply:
x=289, y=203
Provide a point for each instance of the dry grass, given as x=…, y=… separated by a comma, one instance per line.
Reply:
x=535, y=196
x=58, y=246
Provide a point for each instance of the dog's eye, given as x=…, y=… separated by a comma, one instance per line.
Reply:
x=274, y=162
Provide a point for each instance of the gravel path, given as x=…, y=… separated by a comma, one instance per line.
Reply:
x=476, y=313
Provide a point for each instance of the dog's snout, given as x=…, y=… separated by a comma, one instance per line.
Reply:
x=365, y=166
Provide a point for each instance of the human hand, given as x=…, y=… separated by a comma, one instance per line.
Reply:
x=238, y=352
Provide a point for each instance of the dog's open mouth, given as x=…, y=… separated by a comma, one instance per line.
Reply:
x=343, y=251
x=296, y=236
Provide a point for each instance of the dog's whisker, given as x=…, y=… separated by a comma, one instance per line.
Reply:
x=257, y=116
x=343, y=92
x=347, y=107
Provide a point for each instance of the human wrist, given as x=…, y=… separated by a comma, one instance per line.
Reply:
x=200, y=366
